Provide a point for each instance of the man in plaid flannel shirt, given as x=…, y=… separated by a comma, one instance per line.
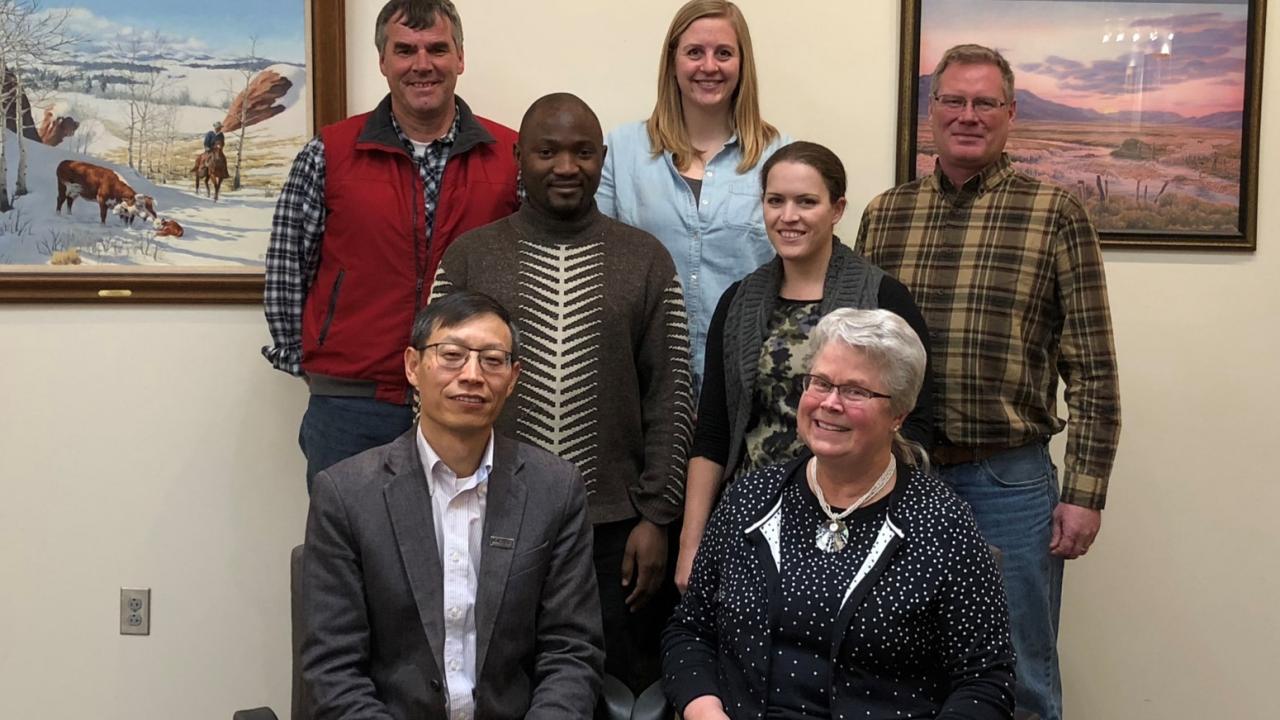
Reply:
x=1008, y=274
x=363, y=219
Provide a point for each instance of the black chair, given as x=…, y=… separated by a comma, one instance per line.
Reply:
x=652, y=704
x=616, y=700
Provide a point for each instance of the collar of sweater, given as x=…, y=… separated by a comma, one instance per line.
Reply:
x=538, y=226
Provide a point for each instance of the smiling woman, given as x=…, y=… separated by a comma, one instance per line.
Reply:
x=690, y=175
x=844, y=582
x=755, y=343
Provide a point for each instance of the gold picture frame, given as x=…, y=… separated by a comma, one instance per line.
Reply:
x=326, y=80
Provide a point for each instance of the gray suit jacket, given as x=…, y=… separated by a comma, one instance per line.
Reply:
x=372, y=589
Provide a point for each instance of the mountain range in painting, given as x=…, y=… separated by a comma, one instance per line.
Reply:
x=1032, y=107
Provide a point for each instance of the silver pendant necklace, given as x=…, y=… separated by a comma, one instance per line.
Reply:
x=833, y=535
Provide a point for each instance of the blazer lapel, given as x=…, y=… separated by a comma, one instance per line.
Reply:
x=409, y=506
x=503, y=514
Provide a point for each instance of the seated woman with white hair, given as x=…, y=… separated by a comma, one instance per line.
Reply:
x=844, y=583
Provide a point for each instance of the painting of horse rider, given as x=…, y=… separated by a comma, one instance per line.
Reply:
x=193, y=111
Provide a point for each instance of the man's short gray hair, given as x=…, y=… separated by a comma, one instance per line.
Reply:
x=416, y=15
x=970, y=54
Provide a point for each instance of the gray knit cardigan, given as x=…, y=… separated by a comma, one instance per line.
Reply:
x=850, y=282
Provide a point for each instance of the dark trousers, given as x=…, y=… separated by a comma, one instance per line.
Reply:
x=631, y=639
x=335, y=428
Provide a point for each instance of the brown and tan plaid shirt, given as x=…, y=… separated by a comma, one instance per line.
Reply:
x=1008, y=274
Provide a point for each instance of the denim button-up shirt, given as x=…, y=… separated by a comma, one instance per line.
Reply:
x=714, y=241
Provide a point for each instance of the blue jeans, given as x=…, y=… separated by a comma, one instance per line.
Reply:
x=1013, y=495
x=335, y=428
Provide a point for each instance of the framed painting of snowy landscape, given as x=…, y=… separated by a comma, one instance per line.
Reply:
x=1147, y=111
x=145, y=143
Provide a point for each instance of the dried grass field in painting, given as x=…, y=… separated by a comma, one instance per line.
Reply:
x=1156, y=177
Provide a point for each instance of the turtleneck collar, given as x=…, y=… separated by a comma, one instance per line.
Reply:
x=537, y=224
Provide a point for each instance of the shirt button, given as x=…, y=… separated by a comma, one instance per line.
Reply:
x=454, y=665
x=710, y=174
x=455, y=613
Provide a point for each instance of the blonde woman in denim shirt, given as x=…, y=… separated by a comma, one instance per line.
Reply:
x=690, y=175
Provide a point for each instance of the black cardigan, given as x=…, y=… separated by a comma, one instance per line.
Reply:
x=924, y=631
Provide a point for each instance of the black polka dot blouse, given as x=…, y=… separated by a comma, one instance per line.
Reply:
x=907, y=621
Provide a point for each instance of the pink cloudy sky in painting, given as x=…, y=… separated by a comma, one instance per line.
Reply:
x=1057, y=51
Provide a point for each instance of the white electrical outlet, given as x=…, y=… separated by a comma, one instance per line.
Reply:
x=135, y=611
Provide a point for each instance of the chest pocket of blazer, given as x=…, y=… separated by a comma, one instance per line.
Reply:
x=530, y=560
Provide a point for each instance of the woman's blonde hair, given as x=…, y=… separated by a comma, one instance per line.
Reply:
x=666, y=125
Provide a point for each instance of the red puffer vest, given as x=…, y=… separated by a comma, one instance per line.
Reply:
x=376, y=263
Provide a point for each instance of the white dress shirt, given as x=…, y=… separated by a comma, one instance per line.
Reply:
x=457, y=510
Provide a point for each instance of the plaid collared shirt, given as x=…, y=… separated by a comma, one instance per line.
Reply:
x=298, y=228
x=1008, y=274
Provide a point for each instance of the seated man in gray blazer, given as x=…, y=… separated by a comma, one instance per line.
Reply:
x=448, y=574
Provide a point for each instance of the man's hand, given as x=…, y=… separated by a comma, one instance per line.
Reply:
x=1074, y=529
x=645, y=559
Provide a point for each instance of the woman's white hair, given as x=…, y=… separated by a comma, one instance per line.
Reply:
x=893, y=348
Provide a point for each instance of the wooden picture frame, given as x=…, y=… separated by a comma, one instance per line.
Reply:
x=326, y=82
x=1113, y=105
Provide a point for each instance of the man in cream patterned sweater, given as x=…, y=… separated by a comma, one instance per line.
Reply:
x=606, y=381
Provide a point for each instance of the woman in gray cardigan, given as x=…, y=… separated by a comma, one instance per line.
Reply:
x=755, y=356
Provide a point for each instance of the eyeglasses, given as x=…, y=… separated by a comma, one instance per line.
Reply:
x=981, y=105
x=852, y=394
x=453, y=356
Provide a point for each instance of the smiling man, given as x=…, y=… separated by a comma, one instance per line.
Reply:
x=1008, y=274
x=448, y=573
x=606, y=365
x=365, y=215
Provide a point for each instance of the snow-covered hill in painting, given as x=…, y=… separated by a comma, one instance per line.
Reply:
x=232, y=232
x=189, y=81
x=104, y=119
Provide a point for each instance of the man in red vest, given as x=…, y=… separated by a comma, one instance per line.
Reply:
x=367, y=211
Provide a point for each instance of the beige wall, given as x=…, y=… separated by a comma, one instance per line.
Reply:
x=154, y=446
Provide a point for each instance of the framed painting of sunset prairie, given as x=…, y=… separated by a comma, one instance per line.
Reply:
x=1148, y=112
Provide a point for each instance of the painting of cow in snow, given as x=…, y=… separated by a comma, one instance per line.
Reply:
x=108, y=114
x=94, y=182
